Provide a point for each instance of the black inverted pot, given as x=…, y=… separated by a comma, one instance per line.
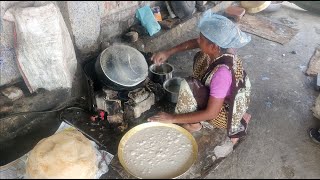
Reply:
x=102, y=71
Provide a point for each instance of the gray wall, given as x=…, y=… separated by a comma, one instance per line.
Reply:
x=9, y=72
x=88, y=22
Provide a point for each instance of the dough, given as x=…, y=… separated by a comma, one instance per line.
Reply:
x=158, y=152
x=67, y=154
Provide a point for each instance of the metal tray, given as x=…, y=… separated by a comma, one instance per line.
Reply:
x=255, y=6
x=144, y=126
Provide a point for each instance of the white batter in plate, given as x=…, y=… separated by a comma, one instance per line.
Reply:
x=157, y=150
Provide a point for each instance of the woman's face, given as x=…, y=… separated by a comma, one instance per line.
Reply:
x=206, y=46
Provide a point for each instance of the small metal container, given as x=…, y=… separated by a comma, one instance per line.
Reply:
x=160, y=73
x=172, y=88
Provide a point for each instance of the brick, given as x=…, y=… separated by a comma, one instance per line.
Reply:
x=6, y=109
x=235, y=12
x=133, y=110
x=169, y=23
x=12, y=93
x=144, y=105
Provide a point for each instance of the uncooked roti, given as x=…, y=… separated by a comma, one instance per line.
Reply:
x=67, y=154
x=158, y=152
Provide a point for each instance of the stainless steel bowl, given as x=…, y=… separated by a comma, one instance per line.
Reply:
x=172, y=88
x=160, y=73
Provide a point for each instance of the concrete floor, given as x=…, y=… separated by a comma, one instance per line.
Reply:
x=278, y=145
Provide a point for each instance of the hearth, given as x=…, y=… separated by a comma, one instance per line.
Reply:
x=119, y=107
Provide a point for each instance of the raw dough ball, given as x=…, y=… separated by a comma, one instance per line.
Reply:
x=67, y=154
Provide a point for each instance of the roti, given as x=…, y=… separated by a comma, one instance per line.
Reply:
x=67, y=155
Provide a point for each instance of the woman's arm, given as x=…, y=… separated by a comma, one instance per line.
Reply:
x=213, y=108
x=162, y=56
x=219, y=89
x=187, y=45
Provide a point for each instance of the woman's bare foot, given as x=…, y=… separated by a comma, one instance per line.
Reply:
x=234, y=140
x=192, y=127
x=247, y=118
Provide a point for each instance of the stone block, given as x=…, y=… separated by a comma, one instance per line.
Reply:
x=235, y=13
x=316, y=108
x=144, y=105
x=6, y=109
x=131, y=36
x=112, y=7
x=169, y=23
x=85, y=21
x=138, y=95
x=134, y=110
x=6, y=34
x=12, y=93
x=9, y=72
x=110, y=29
x=108, y=102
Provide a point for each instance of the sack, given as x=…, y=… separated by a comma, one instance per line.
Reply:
x=44, y=49
x=200, y=92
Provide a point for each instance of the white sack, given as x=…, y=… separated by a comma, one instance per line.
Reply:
x=45, y=53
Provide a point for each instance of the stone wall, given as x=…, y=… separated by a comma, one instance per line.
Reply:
x=117, y=16
x=89, y=23
x=9, y=72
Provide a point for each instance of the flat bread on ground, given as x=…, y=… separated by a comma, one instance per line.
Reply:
x=67, y=154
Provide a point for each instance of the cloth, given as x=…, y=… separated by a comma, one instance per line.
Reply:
x=221, y=83
x=222, y=31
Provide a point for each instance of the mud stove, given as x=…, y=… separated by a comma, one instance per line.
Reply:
x=119, y=107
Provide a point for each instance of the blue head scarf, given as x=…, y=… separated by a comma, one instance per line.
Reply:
x=222, y=31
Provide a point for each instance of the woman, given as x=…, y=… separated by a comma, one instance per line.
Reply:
x=218, y=68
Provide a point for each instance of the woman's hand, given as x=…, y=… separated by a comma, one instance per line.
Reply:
x=160, y=57
x=162, y=117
